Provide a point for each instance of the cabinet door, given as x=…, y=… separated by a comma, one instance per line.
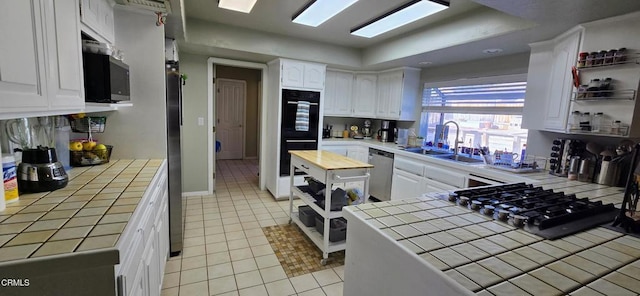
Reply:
x=65, y=76
x=140, y=286
x=564, y=56
x=405, y=185
x=105, y=21
x=342, y=150
x=292, y=74
x=383, y=95
x=434, y=186
x=162, y=236
x=22, y=59
x=338, y=91
x=395, y=88
x=90, y=11
x=365, y=95
x=152, y=269
x=314, y=76
x=358, y=153
x=537, y=92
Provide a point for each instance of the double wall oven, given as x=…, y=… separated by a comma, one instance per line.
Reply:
x=294, y=136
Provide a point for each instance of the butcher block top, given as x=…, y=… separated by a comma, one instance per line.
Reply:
x=329, y=160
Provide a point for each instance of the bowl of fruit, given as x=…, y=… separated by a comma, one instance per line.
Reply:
x=88, y=152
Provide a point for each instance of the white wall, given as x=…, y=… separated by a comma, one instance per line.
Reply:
x=140, y=131
x=194, y=137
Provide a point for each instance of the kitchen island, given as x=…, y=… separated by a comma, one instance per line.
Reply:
x=105, y=233
x=430, y=246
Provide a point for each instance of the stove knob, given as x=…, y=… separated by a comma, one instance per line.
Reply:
x=476, y=205
x=503, y=215
x=519, y=220
x=463, y=201
x=488, y=210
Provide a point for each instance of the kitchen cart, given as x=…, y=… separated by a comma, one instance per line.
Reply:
x=328, y=168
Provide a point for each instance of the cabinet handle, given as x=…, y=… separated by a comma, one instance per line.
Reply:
x=122, y=285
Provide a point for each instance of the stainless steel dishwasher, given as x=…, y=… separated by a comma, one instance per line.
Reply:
x=380, y=180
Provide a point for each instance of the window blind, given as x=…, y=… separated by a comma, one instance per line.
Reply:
x=496, y=98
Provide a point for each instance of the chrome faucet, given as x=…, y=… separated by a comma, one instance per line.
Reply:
x=457, y=141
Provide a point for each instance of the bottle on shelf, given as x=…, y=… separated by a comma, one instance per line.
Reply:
x=412, y=141
x=597, y=122
x=615, y=127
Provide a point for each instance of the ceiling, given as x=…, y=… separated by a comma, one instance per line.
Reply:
x=551, y=18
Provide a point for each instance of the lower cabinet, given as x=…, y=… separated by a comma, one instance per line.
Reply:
x=412, y=178
x=144, y=245
x=406, y=185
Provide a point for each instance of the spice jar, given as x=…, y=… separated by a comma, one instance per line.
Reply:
x=600, y=58
x=605, y=87
x=582, y=61
x=594, y=88
x=591, y=59
x=615, y=127
x=582, y=91
x=608, y=57
x=620, y=56
x=596, y=122
x=574, y=123
x=585, y=121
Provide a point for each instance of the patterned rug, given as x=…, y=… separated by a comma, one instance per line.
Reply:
x=297, y=254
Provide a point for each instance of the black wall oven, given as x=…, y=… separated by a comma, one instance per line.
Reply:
x=297, y=136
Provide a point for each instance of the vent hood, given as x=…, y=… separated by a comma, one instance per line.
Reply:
x=153, y=5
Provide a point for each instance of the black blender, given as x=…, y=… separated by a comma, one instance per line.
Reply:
x=39, y=169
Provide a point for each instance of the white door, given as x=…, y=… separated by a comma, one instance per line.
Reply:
x=230, y=105
x=314, y=76
x=365, y=95
x=292, y=74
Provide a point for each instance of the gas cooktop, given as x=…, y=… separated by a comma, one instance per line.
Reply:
x=549, y=214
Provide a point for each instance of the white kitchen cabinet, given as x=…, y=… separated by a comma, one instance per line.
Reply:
x=144, y=244
x=406, y=184
x=364, y=100
x=23, y=83
x=338, y=93
x=398, y=93
x=564, y=56
x=358, y=153
x=42, y=65
x=537, y=92
x=65, y=74
x=445, y=176
x=299, y=74
x=337, y=149
x=98, y=19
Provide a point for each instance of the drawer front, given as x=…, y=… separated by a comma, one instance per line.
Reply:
x=408, y=166
x=445, y=176
x=133, y=258
x=309, y=169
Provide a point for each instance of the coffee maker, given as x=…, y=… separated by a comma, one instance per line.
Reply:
x=386, y=133
x=39, y=169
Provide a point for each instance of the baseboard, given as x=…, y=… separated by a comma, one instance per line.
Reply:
x=195, y=193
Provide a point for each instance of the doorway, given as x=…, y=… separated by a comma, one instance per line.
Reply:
x=254, y=116
x=230, y=118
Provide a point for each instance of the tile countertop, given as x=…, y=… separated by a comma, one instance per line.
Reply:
x=494, y=258
x=89, y=214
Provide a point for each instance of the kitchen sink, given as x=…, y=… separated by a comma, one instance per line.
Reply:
x=459, y=158
x=421, y=150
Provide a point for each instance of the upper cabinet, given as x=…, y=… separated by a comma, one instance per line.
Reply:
x=337, y=93
x=549, y=82
x=41, y=64
x=398, y=93
x=97, y=18
x=364, y=99
x=22, y=58
x=299, y=74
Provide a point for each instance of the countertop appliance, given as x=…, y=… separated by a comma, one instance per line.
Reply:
x=386, y=132
x=366, y=129
x=545, y=213
x=41, y=171
x=174, y=124
x=381, y=173
x=106, y=79
x=299, y=127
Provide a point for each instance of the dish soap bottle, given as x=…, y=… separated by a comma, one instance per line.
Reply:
x=412, y=141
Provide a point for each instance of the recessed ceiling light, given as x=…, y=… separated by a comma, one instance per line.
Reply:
x=425, y=63
x=317, y=12
x=400, y=16
x=237, y=5
x=492, y=50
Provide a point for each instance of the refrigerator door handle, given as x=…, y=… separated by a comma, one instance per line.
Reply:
x=180, y=100
x=300, y=141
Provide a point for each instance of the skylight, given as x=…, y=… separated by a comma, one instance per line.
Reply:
x=399, y=17
x=317, y=12
x=237, y=5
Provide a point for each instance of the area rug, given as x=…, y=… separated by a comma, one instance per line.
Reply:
x=297, y=254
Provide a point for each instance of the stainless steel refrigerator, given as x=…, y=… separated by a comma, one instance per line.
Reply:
x=174, y=125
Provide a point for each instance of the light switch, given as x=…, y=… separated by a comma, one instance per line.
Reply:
x=200, y=121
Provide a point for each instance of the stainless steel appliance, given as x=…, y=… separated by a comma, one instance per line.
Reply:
x=386, y=132
x=545, y=213
x=366, y=129
x=381, y=173
x=41, y=171
x=174, y=125
x=106, y=79
x=299, y=127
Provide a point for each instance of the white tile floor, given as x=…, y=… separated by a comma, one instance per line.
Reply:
x=225, y=251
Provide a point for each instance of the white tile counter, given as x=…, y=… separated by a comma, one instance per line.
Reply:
x=427, y=246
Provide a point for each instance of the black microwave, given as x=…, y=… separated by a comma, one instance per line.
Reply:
x=106, y=79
